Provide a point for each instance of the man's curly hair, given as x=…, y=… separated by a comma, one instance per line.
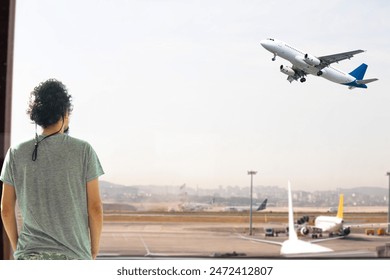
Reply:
x=49, y=102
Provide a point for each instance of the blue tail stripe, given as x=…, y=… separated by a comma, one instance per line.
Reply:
x=359, y=72
x=354, y=84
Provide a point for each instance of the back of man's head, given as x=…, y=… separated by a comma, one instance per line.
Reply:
x=49, y=102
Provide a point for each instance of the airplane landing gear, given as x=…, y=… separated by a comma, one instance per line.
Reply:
x=302, y=80
x=274, y=58
x=319, y=73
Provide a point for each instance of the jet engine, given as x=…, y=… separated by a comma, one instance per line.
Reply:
x=311, y=60
x=287, y=70
x=304, y=231
x=321, y=72
x=346, y=231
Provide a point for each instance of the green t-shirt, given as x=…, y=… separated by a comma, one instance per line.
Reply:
x=51, y=194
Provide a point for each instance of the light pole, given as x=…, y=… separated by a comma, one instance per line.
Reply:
x=388, y=210
x=251, y=172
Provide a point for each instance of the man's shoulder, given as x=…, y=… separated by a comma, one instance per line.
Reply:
x=28, y=144
x=77, y=142
x=23, y=145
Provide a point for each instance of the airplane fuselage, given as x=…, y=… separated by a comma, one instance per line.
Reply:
x=297, y=58
x=329, y=224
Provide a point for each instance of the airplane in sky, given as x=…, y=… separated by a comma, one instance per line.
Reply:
x=294, y=246
x=260, y=207
x=304, y=63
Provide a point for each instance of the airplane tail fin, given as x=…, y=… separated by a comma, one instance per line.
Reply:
x=263, y=205
x=292, y=235
x=359, y=72
x=340, y=211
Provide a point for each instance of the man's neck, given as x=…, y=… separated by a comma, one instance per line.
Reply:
x=55, y=128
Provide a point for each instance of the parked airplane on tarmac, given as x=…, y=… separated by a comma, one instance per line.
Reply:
x=294, y=246
x=304, y=63
x=333, y=225
x=260, y=207
x=328, y=224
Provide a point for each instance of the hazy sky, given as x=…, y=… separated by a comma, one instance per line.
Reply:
x=173, y=92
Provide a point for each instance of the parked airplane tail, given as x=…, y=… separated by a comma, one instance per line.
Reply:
x=340, y=211
x=292, y=235
x=263, y=205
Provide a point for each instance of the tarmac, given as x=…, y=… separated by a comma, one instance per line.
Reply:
x=123, y=238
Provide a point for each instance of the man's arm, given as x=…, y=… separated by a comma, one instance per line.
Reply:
x=8, y=201
x=95, y=215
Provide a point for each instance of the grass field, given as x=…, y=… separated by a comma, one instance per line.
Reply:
x=235, y=217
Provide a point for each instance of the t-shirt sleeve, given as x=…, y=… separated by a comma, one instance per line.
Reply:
x=94, y=168
x=6, y=175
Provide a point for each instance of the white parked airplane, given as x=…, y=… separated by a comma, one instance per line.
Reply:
x=294, y=246
x=334, y=225
x=259, y=207
x=304, y=63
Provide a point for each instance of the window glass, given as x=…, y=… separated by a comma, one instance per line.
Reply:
x=180, y=100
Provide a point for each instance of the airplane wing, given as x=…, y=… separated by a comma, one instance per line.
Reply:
x=280, y=243
x=329, y=59
x=326, y=239
x=261, y=240
x=367, y=225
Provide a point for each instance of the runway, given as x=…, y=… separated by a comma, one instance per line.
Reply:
x=124, y=238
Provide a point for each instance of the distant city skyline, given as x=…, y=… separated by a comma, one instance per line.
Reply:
x=235, y=195
x=174, y=92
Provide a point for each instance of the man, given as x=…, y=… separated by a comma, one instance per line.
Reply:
x=54, y=180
